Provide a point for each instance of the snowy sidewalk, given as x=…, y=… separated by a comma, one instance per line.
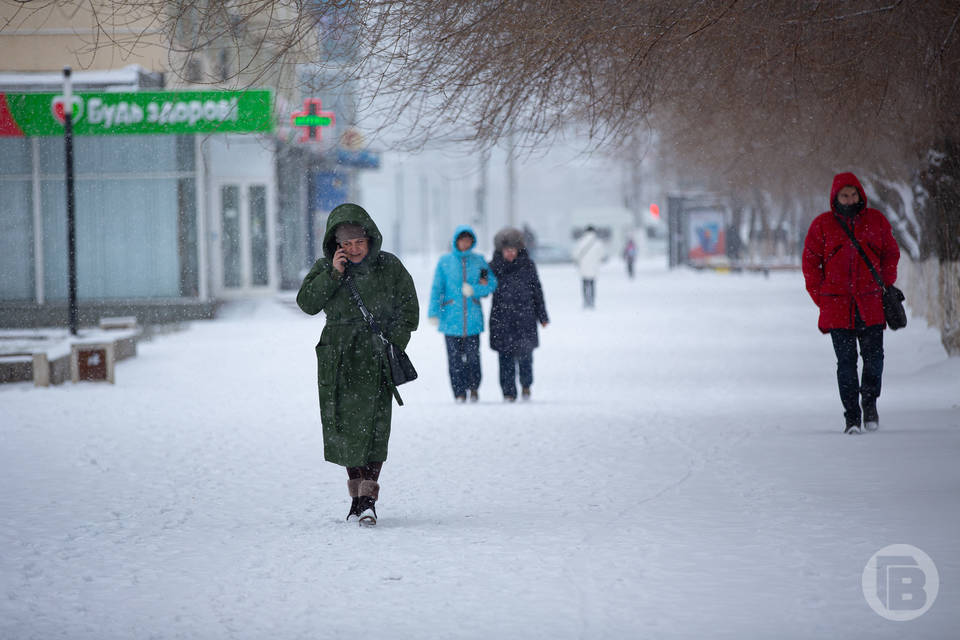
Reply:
x=680, y=473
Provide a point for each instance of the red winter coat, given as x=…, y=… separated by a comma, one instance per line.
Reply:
x=837, y=277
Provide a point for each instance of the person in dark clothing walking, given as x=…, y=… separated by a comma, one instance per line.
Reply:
x=630, y=255
x=517, y=307
x=353, y=376
x=849, y=298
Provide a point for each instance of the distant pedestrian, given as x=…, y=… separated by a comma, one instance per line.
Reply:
x=589, y=254
x=355, y=387
x=517, y=307
x=462, y=277
x=630, y=255
x=849, y=298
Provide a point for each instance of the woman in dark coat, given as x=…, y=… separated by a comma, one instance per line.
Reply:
x=517, y=307
x=355, y=387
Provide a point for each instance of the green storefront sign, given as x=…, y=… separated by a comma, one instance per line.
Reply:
x=137, y=113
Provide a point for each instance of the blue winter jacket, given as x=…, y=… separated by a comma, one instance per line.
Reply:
x=459, y=315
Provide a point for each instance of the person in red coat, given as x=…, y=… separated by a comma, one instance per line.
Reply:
x=849, y=298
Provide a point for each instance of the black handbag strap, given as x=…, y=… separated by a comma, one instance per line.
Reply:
x=373, y=326
x=863, y=255
x=364, y=311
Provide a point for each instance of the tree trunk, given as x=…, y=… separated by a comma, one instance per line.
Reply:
x=949, y=321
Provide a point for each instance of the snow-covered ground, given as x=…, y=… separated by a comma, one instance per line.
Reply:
x=680, y=473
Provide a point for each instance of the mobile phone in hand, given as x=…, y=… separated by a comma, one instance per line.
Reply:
x=483, y=274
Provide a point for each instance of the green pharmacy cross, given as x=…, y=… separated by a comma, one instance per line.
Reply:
x=312, y=119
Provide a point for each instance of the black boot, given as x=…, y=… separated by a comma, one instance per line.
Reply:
x=367, y=511
x=354, y=510
x=871, y=419
x=353, y=488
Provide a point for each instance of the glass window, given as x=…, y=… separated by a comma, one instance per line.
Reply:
x=53, y=204
x=187, y=236
x=111, y=155
x=186, y=156
x=16, y=241
x=15, y=157
x=50, y=151
x=126, y=238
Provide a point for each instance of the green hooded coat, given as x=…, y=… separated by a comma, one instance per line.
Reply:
x=356, y=392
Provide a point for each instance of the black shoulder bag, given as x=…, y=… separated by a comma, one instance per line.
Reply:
x=401, y=369
x=893, y=311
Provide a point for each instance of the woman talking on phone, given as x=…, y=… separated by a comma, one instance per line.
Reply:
x=355, y=388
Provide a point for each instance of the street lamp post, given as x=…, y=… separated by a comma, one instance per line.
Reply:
x=71, y=217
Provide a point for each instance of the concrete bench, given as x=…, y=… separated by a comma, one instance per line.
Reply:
x=51, y=366
x=45, y=367
x=93, y=361
x=15, y=367
x=119, y=322
x=93, y=356
x=54, y=356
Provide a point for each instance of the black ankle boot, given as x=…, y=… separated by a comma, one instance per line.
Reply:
x=871, y=419
x=354, y=510
x=367, y=511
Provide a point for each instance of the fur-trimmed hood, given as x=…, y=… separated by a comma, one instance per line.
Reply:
x=509, y=237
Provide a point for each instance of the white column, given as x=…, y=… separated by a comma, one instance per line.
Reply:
x=38, y=258
x=200, y=191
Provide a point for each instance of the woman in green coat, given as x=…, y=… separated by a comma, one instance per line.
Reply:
x=356, y=391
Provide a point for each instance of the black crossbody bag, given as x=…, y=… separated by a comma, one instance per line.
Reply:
x=893, y=311
x=402, y=370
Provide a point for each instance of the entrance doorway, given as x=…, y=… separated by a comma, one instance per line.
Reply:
x=243, y=215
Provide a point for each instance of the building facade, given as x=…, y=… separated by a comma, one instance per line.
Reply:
x=167, y=226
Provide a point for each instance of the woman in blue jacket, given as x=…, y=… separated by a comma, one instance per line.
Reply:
x=461, y=279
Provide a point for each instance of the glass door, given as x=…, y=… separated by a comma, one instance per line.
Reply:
x=230, y=236
x=246, y=239
x=259, y=240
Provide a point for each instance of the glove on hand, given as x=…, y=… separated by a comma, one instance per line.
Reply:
x=467, y=289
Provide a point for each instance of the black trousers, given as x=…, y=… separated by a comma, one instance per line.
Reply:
x=509, y=363
x=463, y=358
x=871, y=350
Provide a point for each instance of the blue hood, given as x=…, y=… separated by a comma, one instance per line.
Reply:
x=456, y=234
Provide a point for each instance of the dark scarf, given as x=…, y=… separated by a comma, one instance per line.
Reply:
x=848, y=211
x=501, y=266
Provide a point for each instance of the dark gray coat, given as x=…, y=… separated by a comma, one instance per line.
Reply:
x=517, y=305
